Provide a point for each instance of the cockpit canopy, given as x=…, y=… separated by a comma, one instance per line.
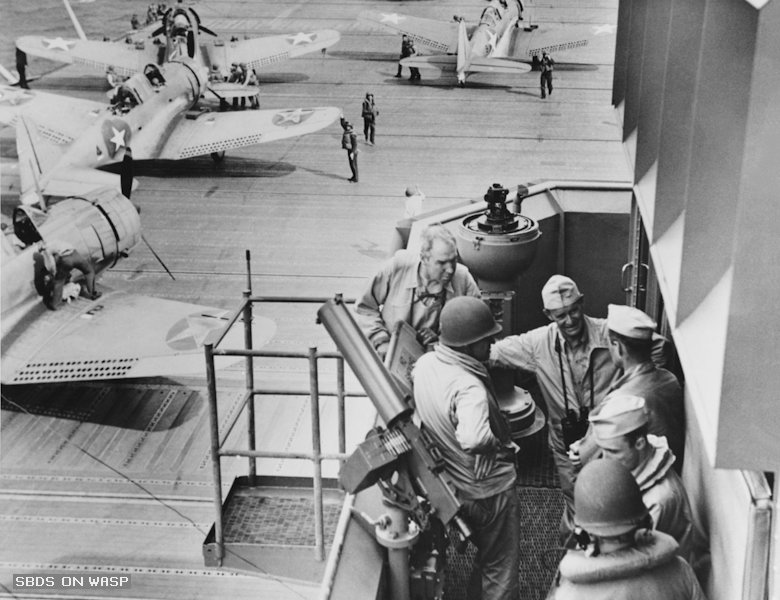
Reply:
x=154, y=75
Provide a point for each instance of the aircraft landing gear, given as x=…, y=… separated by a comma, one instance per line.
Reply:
x=218, y=157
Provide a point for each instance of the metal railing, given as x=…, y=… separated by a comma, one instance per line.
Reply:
x=218, y=441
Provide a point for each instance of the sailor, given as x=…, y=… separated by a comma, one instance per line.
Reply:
x=21, y=68
x=135, y=22
x=620, y=430
x=414, y=201
x=415, y=289
x=546, y=66
x=455, y=401
x=369, y=114
x=406, y=50
x=349, y=143
x=631, y=345
x=620, y=557
x=571, y=361
x=54, y=279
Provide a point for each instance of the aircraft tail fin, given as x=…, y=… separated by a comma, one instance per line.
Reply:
x=464, y=50
x=32, y=161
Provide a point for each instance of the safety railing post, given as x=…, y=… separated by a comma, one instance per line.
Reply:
x=342, y=408
x=319, y=528
x=215, y=459
x=250, y=372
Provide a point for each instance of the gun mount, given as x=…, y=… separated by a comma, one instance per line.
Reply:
x=401, y=459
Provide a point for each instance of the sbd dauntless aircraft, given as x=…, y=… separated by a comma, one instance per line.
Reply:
x=157, y=113
x=181, y=28
x=502, y=42
x=113, y=336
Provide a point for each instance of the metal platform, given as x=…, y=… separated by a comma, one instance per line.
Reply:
x=269, y=529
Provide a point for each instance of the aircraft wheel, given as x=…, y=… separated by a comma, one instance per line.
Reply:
x=218, y=157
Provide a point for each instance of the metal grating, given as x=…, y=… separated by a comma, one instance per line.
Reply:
x=540, y=515
x=271, y=520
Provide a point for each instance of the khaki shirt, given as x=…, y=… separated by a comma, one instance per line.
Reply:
x=392, y=296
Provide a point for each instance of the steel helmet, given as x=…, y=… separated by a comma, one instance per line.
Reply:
x=465, y=320
x=607, y=500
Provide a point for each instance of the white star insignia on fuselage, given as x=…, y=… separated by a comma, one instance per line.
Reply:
x=58, y=43
x=301, y=38
x=118, y=139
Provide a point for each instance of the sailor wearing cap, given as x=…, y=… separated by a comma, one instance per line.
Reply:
x=570, y=358
x=632, y=339
x=620, y=430
x=414, y=201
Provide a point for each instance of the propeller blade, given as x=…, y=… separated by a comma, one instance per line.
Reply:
x=159, y=260
x=205, y=29
x=126, y=174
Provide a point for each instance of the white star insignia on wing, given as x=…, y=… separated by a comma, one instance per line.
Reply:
x=118, y=139
x=301, y=38
x=13, y=97
x=58, y=43
x=599, y=29
x=392, y=18
x=293, y=116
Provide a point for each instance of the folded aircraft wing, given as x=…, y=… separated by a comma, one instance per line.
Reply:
x=219, y=131
x=260, y=52
x=557, y=40
x=440, y=36
x=125, y=59
x=119, y=335
x=60, y=119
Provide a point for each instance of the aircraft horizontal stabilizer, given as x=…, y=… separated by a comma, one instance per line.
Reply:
x=119, y=335
x=497, y=65
x=76, y=181
x=217, y=132
x=439, y=62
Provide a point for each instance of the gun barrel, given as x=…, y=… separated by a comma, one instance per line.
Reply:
x=376, y=380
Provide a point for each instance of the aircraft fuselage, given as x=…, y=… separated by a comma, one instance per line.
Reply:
x=143, y=121
x=495, y=21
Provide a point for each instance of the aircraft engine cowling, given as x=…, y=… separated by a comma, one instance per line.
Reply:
x=104, y=227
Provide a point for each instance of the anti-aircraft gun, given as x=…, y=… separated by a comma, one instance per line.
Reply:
x=401, y=458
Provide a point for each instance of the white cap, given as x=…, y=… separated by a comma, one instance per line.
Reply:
x=559, y=292
x=617, y=416
x=630, y=322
